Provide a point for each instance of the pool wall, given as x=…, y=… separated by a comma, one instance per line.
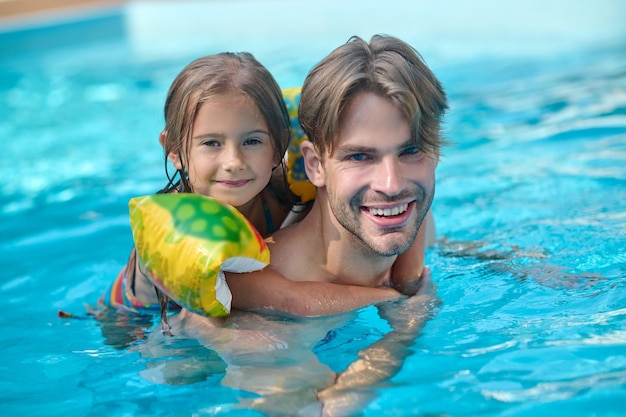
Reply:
x=449, y=28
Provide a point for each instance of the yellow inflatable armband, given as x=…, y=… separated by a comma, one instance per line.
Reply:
x=184, y=243
x=296, y=175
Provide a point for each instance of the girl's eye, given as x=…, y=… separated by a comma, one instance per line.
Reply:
x=212, y=143
x=252, y=141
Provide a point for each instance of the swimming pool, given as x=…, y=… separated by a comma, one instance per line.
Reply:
x=530, y=211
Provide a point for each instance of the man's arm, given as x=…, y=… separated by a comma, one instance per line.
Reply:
x=382, y=360
x=408, y=268
x=270, y=290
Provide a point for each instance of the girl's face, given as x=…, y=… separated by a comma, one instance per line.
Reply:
x=231, y=155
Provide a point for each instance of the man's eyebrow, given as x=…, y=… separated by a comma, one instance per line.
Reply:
x=348, y=148
x=355, y=149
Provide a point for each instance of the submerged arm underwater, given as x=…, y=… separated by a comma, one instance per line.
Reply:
x=353, y=388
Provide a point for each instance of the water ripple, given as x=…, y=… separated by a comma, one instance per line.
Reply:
x=554, y=391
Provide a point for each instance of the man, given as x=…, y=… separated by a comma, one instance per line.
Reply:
x=373, y=114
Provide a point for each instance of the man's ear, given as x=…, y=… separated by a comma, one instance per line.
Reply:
x=173, y=155
x=313, y=164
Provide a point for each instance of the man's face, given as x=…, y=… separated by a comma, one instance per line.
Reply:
x=379, y=185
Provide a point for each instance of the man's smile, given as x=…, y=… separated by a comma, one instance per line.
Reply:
x=389, y=211
x=390, y=216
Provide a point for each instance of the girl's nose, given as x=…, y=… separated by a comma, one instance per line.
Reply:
x=233, y=158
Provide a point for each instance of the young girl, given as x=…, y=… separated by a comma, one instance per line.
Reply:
x=226, y=132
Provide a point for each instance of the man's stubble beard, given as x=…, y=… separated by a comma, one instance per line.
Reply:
x=348, y=218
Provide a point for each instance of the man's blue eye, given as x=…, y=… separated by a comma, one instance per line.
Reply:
x=358, y=157
x=412, y=150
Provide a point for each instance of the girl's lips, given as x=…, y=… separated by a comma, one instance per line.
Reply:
x=233, y=184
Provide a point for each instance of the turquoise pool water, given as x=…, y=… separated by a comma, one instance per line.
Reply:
x=530, y=263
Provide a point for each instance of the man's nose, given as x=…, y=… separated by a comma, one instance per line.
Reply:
x=388, y=177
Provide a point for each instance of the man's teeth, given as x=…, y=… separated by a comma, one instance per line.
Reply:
x=394, y=211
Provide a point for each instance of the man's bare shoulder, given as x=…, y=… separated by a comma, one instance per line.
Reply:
x=287, y=239
x=293, y=250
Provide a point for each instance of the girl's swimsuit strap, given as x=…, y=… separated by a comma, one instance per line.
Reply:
x=268, y=214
